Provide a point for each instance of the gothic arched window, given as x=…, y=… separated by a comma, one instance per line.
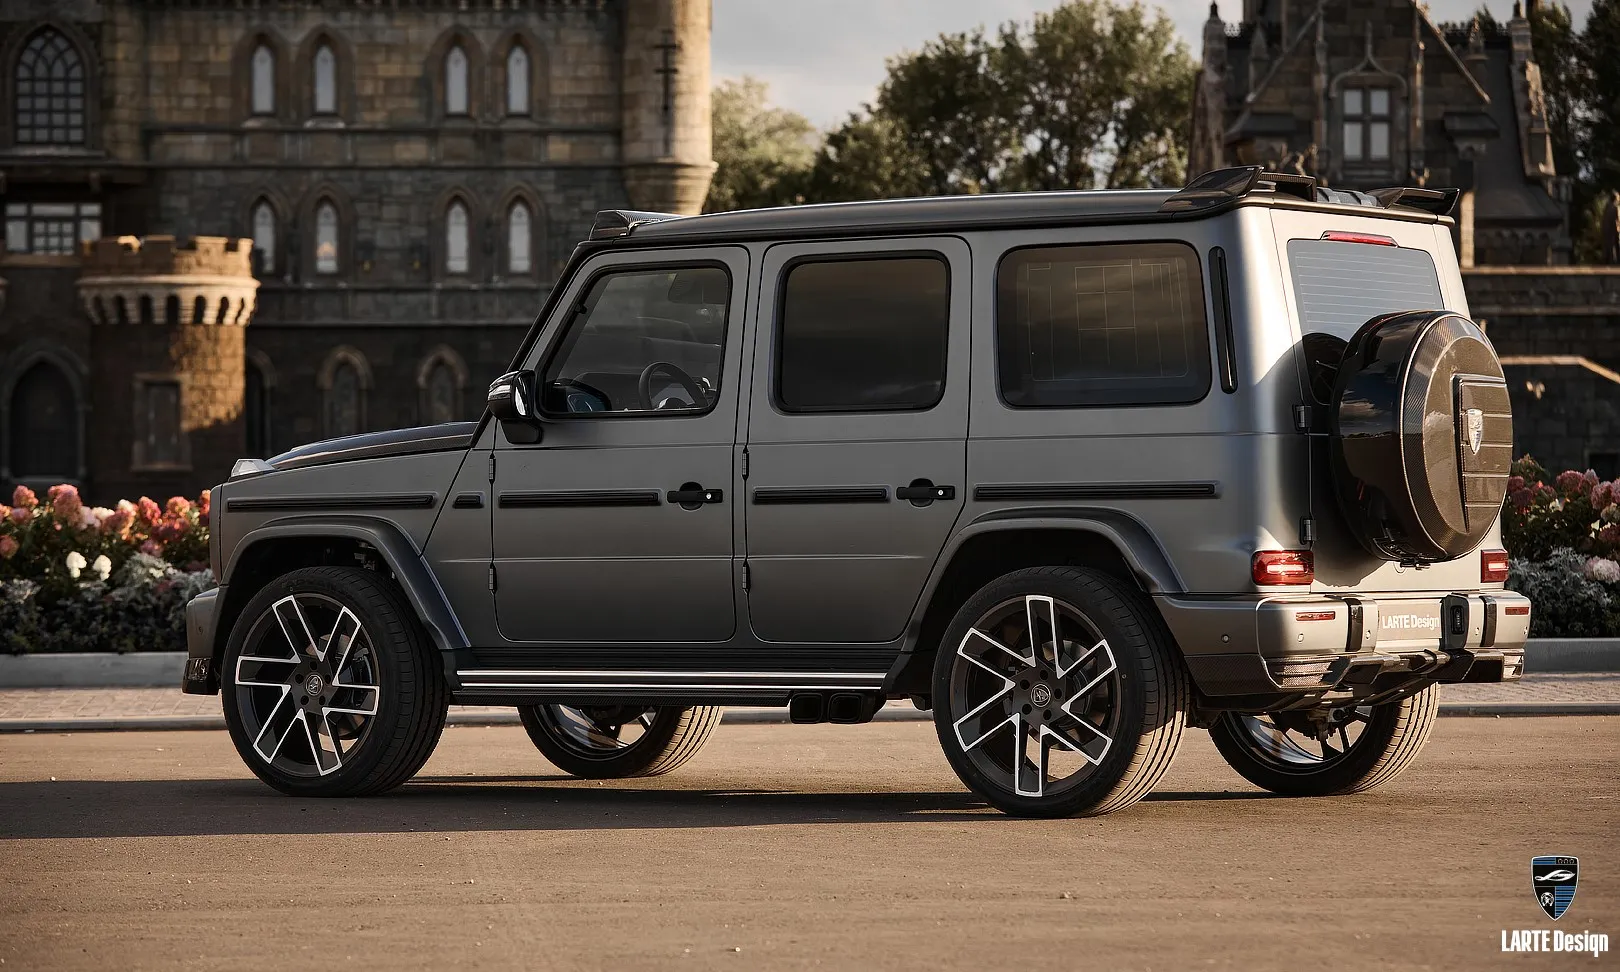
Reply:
x=439, y=397
x=517, y=81
x=264, y=80
x=325, y=70
x=455, y=81
x=44, y=425
x=456, y=242
x=519, y=238
x=264, y=235
x=326, y=238
x=343, y=405
x=50, y=91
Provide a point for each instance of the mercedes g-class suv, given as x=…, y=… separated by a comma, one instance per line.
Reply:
x=1074, y=470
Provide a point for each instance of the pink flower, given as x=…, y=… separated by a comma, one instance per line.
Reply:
x=152, y=548
x=24, y=497
x=65, y=502
x=1515, y=482
x=177, y=506
x=1602, y=495
x=148, y=513
x=8, y=547
x=116, y=522
x=1569, y=482
x=21, y=515
x=204, y=505
x=1520, y=498
x=1610, y=535
x=89, y=519
x=171, y=529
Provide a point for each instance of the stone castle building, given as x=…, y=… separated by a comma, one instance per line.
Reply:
x=1374, y=93
x=235, y=227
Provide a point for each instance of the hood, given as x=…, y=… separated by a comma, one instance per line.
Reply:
x=374, y=445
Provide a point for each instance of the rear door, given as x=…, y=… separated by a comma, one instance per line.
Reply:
x=856, y=438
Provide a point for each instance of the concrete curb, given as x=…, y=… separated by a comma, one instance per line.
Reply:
x=732, y=716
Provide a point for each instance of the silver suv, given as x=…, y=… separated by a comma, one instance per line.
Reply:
x=1074, y=470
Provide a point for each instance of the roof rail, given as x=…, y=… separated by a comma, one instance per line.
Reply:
x=613, y=223
x=1222, y=187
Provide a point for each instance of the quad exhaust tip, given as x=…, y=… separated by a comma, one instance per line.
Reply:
x=842, y=708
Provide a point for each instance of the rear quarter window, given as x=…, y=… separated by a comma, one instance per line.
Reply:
x=1340, y=286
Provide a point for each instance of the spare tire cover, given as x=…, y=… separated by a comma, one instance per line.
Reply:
x=1422, y=436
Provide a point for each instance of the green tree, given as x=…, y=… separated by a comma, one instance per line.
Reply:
x=762, y=152
x=1600, y=56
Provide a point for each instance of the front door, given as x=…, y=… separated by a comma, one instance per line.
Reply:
x=857, y=432
x=616, y=526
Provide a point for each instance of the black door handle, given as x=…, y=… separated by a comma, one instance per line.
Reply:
x=692, y=495
x=922, y=492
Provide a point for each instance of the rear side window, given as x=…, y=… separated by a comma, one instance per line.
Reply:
x=1114, y=324
x=863, y=335
x=1341, y=286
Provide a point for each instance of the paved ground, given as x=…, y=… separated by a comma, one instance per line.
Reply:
x=129, y=705
x=791, y=847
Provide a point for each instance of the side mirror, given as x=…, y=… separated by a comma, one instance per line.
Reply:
x=511, y=401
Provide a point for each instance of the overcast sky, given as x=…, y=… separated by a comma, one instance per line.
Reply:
x=825, y=58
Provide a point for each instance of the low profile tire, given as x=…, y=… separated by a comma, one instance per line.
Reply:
x=615, y=742
x=1355, y=749
x=330, y=687
x=1057, y=693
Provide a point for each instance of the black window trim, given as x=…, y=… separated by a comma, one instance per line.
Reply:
x=851, y=256
x=1220, y=299
x=575, y=305
x=995, y=325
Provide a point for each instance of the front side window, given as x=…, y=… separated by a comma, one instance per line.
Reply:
x=264, y=80
x=517, y=81
x=51, y=229
x=455, y=81
x=455, y=238
x=1366, y=124
x=1111, y=324
x=264, y=235
x=326, y=238
x=642, y=341
x=325, y=68
x=863, y=335
x=157, y=424
x=50, y=91
x=519, y=239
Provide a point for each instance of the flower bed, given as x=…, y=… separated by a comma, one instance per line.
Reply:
x=1563, y=540
x=80, y=578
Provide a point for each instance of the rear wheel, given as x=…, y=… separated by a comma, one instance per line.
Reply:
x=1337, y=751
x=610, y=742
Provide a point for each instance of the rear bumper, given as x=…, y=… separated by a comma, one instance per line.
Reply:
x=1346, y=646
x=202, y=617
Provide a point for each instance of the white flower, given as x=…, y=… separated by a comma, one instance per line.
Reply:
x=76, y=564
x=1603, y=569
x=89, y=518
x=102, y=566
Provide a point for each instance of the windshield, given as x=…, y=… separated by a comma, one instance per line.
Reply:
x=1341, y=286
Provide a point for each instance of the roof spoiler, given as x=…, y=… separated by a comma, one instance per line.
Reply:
x=613, y=223
x=1219, y=188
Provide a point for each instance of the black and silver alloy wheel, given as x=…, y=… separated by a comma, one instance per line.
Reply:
x=332, y=688
x=618, y=741
x=306, y=685
x=1056, y=693
x=1336, y=750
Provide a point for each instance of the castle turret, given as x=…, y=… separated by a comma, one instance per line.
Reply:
x=166, y=360
x=666, y=138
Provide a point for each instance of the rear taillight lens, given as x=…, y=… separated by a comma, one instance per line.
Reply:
x=1493, y=566
x=1342, y=236
x=1282, y=567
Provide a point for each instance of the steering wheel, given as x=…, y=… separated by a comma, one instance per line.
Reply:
x=686, y=381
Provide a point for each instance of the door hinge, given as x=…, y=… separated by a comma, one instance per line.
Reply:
x=746, y=577
x=745, y=464
x=492, y=467
x=492, y=577
x=1307, y=530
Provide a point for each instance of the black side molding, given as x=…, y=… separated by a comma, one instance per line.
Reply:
x=1096, y=491
x=781, y=495
x=579, y=497
x=1221, y=298
x=346, y=501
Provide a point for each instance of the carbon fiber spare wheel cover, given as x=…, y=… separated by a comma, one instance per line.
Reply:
x=1422, y=436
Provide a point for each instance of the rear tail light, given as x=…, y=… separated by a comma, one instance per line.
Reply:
x=1493, y=566
x=1342, y=236
x=1517, y=610
x=1315, y=615
x=1282, y=567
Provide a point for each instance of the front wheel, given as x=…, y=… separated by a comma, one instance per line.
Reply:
x=613, y=742
x=1328, y=752
x=1057, y=693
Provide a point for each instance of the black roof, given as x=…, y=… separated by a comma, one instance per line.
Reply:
x=1206, y=195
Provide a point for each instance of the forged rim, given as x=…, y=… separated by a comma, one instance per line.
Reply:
x=307, y=685
x=596, y=731
x=1039, y=691
x=1295, y=744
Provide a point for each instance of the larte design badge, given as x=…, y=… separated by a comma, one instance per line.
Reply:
x=1553, y=880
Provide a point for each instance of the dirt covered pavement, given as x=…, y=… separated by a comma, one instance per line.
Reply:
x=792, y=847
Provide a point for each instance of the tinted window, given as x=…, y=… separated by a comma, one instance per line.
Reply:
x=1341, y=286
x=668, y=325
x=863, y=335
x=1116, y=324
